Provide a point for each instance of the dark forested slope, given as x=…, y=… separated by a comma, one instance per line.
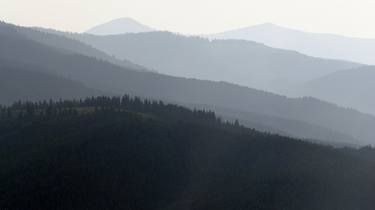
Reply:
x=111, y=153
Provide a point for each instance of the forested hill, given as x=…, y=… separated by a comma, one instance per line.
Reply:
x=128, y=153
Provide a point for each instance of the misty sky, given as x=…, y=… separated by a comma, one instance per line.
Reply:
x=346, y=17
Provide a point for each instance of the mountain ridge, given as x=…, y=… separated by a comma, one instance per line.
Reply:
x=314, y=44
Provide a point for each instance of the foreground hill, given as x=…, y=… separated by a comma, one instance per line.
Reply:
x=313, y=44
x=112, y=153
x=240, y=62
x=357, y=128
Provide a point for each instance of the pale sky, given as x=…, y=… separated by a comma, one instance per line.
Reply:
x=346, y=17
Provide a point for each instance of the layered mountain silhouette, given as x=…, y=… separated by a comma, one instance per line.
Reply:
x=119, y=26
x=240, y=62
x=314, y=44
x=114, y=79
x=264, y=72
x=123, y=117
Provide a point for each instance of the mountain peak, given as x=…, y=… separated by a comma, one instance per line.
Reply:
x=125, y=20
x=119, y=26
x=269, y=26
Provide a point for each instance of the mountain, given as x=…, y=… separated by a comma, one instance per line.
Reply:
x=119, y=26
x=240, y=62
x=112, y=153
x=351, y=88
x=313, y=44
x=116, y=80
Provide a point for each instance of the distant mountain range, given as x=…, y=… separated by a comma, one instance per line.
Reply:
x=247, y=63
x=119, y=26
x=359, y=50
x=331, y=123
x=313, y=44
x=240, y=62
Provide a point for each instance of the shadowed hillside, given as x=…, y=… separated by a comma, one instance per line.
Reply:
x=23, y=82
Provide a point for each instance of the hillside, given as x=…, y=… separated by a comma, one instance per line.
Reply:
x=23, y=82
x=285, y=127
x=351, y=88
x=112, y=153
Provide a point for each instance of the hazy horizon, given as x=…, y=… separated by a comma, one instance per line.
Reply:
x=350, y=18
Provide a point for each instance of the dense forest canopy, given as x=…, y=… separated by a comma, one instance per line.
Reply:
x=132, y=153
